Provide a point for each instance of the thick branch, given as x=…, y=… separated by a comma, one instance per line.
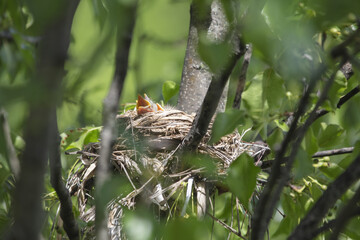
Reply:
x=335, y=190
x=209, y=105
x=66, y=210
x=111, y=102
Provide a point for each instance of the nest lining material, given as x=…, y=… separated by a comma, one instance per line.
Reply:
x=145, y=150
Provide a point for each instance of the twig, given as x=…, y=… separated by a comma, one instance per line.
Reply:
x=242, y=77
x=232, y=213
x=333, y=152
x=269, y=163
x=226, y=226
x=335, y=190
x=111, y=102
x=8, y=35
x=13, y=160
x=342, y=100
x=349, y=95
x=238, y=214
x=66, y=208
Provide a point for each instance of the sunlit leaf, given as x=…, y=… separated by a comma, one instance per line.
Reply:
x=169, y=89
x=80, y=137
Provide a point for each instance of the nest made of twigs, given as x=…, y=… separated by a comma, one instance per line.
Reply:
x=145, y=150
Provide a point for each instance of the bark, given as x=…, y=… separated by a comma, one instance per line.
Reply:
x=28, y=213
x=196, y=76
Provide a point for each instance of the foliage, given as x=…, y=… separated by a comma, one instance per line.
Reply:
x=291, y=39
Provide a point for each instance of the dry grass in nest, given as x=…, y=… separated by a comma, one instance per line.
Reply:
x=145, y=152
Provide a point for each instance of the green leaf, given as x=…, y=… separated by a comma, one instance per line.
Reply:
x=303, y=164
x=282, y=125
x=80, y=137
x=225, y=123
x=242, y=178
x=273, y=89
x=311, y=144
x=169, y=89
x=330, y=136
x=215, y=55
x=333, y=171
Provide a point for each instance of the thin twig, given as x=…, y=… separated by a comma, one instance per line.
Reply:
x=232, y=213
x=66, y=208
x=341, y=102
x=242, y=77
x=226, y=226
x=332, y=152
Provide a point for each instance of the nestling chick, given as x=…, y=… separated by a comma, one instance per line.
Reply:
x=144, y=105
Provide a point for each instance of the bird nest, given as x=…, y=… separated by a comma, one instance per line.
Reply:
x=145, y=153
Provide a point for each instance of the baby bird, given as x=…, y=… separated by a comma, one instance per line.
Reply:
x=145, y=104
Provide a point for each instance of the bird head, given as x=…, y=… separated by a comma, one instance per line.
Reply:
x=145, y=104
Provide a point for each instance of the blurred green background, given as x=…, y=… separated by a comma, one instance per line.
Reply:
x=157, y=55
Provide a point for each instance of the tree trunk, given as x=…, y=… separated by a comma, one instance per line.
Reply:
x=196, y=76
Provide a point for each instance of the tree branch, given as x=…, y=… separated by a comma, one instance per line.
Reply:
x=264, y=208
x=345, y=214
x=110, y=108
x=14, y=162
x=269, y=163
x=242, y=77
x=333, y=152
x=209, y=105
x=278, y=179
x=52, y=54
x=342, y=100
x=66, y=211
x=335, y=190
x=232, y=230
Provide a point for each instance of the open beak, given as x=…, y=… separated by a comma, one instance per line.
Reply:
x=144, y=105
